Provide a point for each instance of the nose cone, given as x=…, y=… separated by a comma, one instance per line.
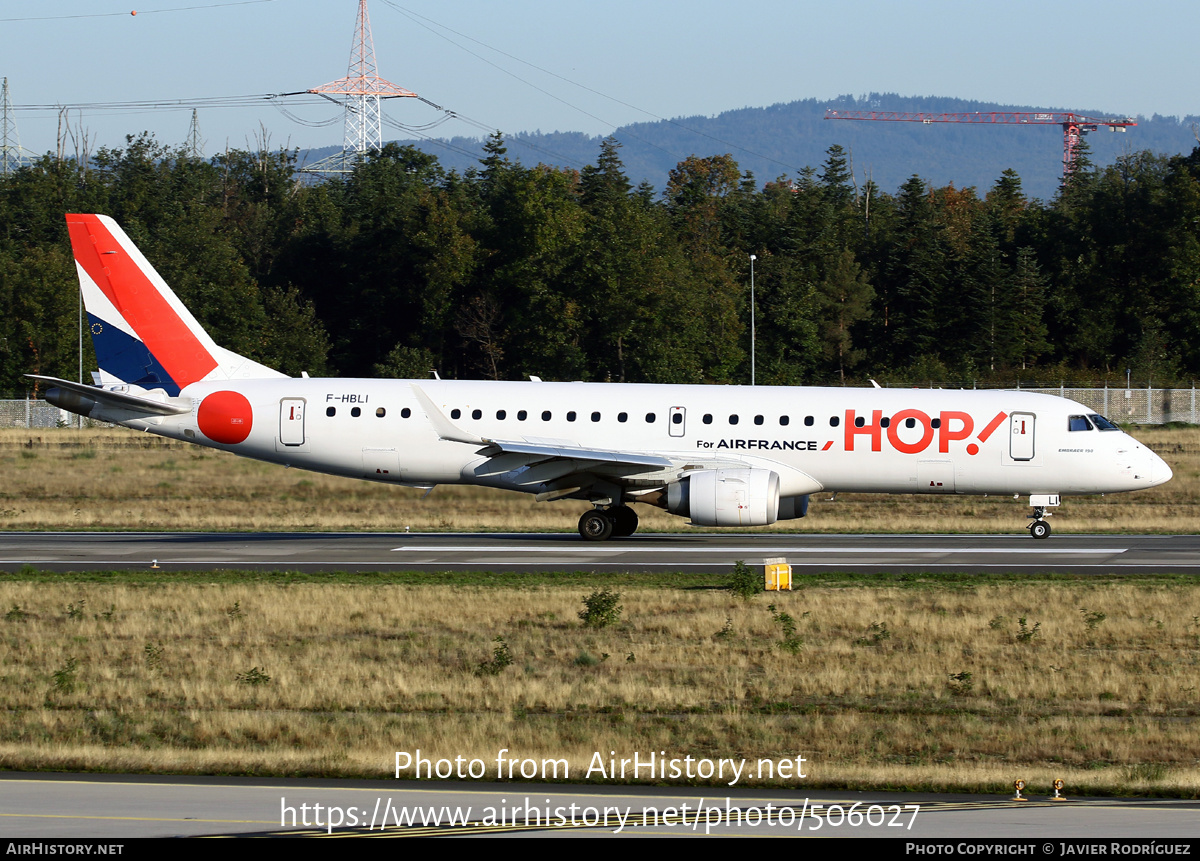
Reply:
x=1160, y=473
x=1139, y=467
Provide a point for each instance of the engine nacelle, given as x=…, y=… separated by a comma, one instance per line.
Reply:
x=727, y=497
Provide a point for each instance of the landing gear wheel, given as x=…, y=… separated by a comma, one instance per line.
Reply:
x=595, y=525
x=625, y=521
x=1039, y=529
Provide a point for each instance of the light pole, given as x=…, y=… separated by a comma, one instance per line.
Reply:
x=81, y=346
x=752, y=259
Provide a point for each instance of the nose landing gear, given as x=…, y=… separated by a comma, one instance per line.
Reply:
x=1040, y=502
x=1039, y=528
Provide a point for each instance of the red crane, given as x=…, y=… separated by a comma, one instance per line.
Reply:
x=1073, y=125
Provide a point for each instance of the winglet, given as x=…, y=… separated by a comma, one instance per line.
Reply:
x=445, y=428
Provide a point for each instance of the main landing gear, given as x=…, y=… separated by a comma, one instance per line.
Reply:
x=600, y=524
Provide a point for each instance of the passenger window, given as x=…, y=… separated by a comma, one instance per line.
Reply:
x=595, y=417
x=622, y=417
x=859, y=421
x=707, y=418
x=356, y=411
x=522, y=415
x=381, y=412
x=331, y=411
x=649, y=418
x=1078, y=423
x=501, y=414
x=758, y=420
x=808, y=421
x=477, y=414
x=455, y=413
x=910, y=423
x=546, y=415
x=783, y=420
x=935, y=423
x=733, y=420
x=884, y=422
x=571, y=416
x=405, y=413
x=834, y=421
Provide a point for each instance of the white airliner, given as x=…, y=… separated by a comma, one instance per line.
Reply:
x=720, y=455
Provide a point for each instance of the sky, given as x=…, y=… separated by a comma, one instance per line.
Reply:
x=568, y=65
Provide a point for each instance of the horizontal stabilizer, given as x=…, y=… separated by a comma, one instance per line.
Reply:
x=80, y=398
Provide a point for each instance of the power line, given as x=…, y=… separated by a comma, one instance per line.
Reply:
x=133, y=12
x=562, y=159
x=155, y=104
x=413, y=15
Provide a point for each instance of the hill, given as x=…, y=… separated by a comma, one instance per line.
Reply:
x=784, y=138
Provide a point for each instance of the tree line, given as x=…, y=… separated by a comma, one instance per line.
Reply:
x=401, y=267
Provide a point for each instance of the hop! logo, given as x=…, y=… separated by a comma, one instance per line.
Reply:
x=913, y=431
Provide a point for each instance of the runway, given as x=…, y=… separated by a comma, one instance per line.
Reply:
x=117, y=807
x=696, y=552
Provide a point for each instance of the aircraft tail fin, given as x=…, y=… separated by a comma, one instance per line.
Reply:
x=141, y=331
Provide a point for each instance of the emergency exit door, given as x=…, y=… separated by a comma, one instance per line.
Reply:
x=291, y=421
x=677, y=420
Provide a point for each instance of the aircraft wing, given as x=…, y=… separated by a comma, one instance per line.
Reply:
x=578, y=453
x=565, y=468
x=535, y=451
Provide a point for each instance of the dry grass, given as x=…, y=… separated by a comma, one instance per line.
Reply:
x=146, y=678
x=119, y=479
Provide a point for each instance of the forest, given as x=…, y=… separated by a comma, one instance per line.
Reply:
x=401, y=267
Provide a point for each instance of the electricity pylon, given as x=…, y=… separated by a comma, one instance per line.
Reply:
x=363, y=90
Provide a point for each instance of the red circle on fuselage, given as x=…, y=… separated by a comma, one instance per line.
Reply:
x=225, y=417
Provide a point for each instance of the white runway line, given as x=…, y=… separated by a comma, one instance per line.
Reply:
x=758, y=550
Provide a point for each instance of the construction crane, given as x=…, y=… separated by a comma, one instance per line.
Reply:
x=1074, y=126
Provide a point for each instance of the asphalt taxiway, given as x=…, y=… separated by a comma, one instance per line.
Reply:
x=695, y=552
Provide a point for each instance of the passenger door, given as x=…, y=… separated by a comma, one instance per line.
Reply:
x=1021, y=436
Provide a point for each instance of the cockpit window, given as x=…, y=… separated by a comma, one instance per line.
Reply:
x=1103, y=423
x=1078, y=423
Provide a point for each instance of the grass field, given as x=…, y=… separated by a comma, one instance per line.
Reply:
x=120, y=479
x=878, y=681
x=947, y=684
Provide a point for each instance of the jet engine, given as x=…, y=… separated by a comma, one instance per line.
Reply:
x=793, y=507
x=726, y=497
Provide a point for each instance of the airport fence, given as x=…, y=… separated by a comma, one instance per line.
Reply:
x=1146, y=406
x=37, y=414
x=33, y=414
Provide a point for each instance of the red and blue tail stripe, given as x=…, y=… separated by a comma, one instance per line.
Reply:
x=142, y=334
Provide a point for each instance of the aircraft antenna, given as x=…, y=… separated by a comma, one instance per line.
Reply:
x=363, y=90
